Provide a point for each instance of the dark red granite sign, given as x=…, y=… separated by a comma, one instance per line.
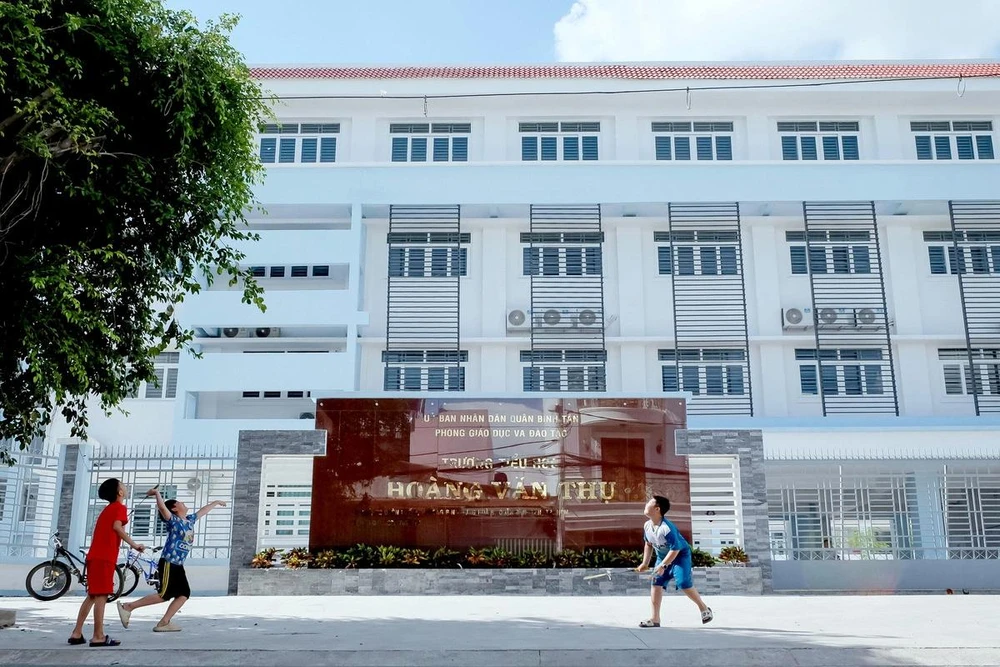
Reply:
x=545, y=473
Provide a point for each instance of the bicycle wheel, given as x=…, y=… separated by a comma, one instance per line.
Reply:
x=130, y=578
x=119, y=583
x=48, y=581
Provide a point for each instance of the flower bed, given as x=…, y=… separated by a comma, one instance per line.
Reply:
x=363, y=556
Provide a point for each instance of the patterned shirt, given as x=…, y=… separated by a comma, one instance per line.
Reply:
x=180, y=536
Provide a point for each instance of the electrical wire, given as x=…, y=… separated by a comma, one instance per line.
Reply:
x=962, y=79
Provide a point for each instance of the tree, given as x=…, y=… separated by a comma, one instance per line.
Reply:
x=127, y=161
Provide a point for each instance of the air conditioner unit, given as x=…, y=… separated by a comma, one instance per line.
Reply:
x=796, y=318
x=868, y=318
x=193, y=484
x=586, y=318
x=234, y=332
x=307, y=415
x=266, y=332
x=835, y=318
x=519, y=319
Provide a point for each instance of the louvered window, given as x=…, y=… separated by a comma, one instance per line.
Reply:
x=164, y=384
x=299, y=143
x=561, y=261
x=697, y=252
x=948, y=140
x=553, y=141
x=290, y=271
x=429, y=142
x=710, y=140
x=425, y=370
x=981, y=259
x=819, y=140
x=560, y=378
x=415, y=262
x=703, y=372
x=843, y=372
x=958, y=376
x=827, y=258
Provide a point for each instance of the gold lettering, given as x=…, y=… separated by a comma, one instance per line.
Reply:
x=395, y=489
x=540, y=489
x=607, y=490
x=501, y=489
x=587, y=490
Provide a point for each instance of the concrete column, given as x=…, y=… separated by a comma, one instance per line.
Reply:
x=887, y=142
x=492, y=255
x=253, y=446
x=626, y=134
x=763, y=278
x=913, y=379
x=899, y=262
x=493, y=368
x=929, y=536
x=760, y=132
x=630, y=282
x=633, y=370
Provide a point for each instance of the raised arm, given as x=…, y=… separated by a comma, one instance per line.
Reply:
x=209, y=507
x=164, y=512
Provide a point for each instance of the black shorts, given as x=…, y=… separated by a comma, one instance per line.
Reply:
x=173, y=581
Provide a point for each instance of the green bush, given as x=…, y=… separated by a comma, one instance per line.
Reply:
x=701, y=558
x=389, y=556
x=733, y=555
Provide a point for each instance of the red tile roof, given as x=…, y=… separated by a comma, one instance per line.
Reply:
x=640, y=72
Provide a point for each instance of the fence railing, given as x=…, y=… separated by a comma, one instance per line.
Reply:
x=28, y=500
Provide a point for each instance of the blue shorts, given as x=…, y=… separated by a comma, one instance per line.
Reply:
x=679, y=570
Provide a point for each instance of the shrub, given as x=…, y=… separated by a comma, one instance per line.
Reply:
x=733, y=555
x=627, y=558
x=701, y=558
x=533, y=558
x=498, y=557
x=569, y=558
x=327, y=560
x=413, y=557
x=359, y=556
x=476, y=557
x=445, y=558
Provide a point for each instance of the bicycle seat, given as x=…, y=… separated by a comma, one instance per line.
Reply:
x=83, y=551
x=155, y=549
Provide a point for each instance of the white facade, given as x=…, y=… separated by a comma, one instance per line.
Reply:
x=325, y=234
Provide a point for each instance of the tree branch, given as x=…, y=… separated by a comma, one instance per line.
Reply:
x=10, y=120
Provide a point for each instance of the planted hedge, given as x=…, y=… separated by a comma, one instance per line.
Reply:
x=385, y=556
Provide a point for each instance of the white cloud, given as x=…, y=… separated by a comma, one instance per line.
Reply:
x=690, y=30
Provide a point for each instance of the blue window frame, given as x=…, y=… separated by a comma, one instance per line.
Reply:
x=944, y=140
x=712, y=140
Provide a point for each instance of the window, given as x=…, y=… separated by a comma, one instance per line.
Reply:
x=838, y=251
x=947, y=140
x=705, y=256
x=289, y=143
x=433, y=142
x=164, y=384
x=957, y=372
x=704, y=372
x=276, y=394
x=693, y=140
x=425, y=370
x=292, y=271
x=552, y=141
x=556, y=261
x=564, y=378
x=29, y=501
x=413, y=262
x=982, y=259
x=819, y=140
x=848, y=372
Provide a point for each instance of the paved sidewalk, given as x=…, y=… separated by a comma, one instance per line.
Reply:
x=472, y=631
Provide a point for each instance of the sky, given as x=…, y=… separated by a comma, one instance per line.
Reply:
x=544, y=31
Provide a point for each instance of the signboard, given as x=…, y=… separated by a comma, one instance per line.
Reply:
x=521, y=473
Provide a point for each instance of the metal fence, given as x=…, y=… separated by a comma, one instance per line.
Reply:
x=193, y=475
x=887, y=510
x=716, y=507
x=28, y=500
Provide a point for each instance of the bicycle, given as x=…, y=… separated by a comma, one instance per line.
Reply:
x=55, y=575
x=137, y=564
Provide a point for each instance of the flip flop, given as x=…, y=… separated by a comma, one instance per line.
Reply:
x=76, y=641
x=108, y=641
x=649, y=624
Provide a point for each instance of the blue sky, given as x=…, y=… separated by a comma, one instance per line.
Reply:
x=541, y=31
x=390, y=31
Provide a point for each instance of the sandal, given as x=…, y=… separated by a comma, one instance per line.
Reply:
x=649, y=624
x=76, y=641
x=108, y=641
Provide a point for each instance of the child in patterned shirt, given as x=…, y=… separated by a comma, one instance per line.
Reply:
x=173, y=580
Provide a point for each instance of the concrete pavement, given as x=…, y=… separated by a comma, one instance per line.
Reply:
x=470, y=631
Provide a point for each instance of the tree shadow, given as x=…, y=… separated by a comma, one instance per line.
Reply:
x=254, y=634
